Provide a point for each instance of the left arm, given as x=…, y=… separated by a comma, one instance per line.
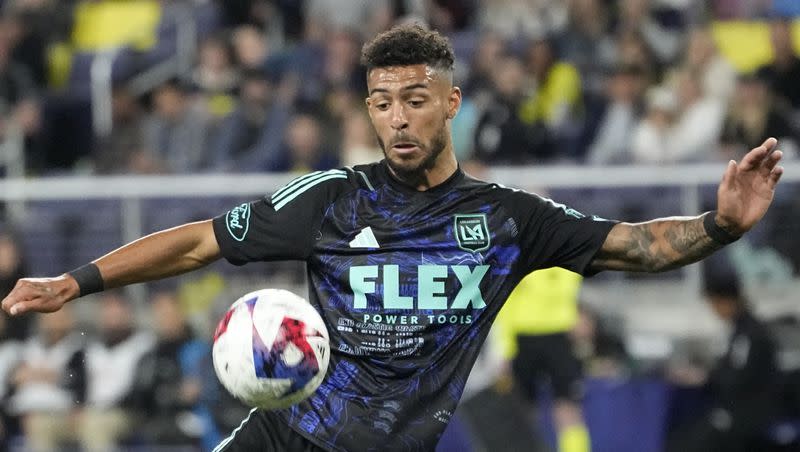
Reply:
x=655, y=246
x=743, y=198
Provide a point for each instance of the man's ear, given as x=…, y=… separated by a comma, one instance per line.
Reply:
x=454, y=102
x=368, y=102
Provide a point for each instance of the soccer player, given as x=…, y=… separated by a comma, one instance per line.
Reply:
x=533, y=328
x=409, y=259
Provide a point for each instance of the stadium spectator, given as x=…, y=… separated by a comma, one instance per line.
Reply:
x=176, y=132
x=366, y=18
x=251, y=47
x=253, y=131
x=227, y=411
x=753, y=113
x=260, y=12
x=449, y=16
x=358, y=141
x=489, y=49
x=637, y=16
x=715, y=74
x=650, y=134
x=168, y=381
x=743, y=383
x=121, y=150
x=698, y=123
x=324, y=65
x=50, y=382
x=44, y=29
x=111, y=361
x=621, y=111
x=304, y=148
x=500, y=136
x=784, y=70
x=601, y=351
x=339, y=103
x=515, y=19
x=691, y=135
x=20, y=109
x=215, y=76
x=27, y=41
x=586, y=43
x=555, y=97
x=632, y=50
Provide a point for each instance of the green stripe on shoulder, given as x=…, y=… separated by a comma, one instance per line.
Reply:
x=302, y=188
x=300, y=182
x=366, y=180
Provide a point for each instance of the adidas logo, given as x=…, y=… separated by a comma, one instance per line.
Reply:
x=365, y=239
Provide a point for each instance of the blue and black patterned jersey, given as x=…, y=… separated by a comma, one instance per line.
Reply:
x=408, y=283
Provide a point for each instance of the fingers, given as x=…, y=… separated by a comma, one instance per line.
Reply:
x=13, y=305
x=774, y=176
x=13, y=298
x=30, y=295
x=753, y=159
x=18, y=308
x=773, y=159
x=38, y=304
x=769, y=144
x=729, y=175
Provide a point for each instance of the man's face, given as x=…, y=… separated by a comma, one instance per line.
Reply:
x=781, y=36
x=410, y=107
x=724, y=308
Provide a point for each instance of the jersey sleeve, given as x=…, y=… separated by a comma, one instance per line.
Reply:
x=281, y=226
x=554, y=235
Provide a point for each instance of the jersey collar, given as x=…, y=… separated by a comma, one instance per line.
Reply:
x=451, y=181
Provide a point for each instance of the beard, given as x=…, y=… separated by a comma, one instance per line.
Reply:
x=413, y=170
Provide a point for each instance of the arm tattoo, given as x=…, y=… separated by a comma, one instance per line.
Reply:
x=654, y=246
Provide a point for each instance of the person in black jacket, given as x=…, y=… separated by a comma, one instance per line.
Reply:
x=168, y=384
x=742, y=384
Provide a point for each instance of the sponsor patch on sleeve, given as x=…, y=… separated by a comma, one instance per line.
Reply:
x=238, y=221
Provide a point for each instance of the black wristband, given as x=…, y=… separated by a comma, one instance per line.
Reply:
x=89, y=279
x=714, y=231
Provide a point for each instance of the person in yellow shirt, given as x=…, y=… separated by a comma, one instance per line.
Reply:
x=556, y=94
x=533, y=332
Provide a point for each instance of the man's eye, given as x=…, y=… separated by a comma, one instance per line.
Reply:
x=382, y=106
x=415, y=103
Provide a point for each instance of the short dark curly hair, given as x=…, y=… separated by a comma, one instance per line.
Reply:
x=406, y=45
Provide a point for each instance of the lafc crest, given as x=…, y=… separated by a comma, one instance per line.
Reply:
x=472, y=232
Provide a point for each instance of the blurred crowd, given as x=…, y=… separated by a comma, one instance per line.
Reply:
x=98, y=380
x=277, y=85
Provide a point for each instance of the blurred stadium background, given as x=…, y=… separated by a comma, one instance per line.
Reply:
x=123, y=117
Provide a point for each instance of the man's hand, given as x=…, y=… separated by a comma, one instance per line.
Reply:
x=747, y=188
x=40, y=294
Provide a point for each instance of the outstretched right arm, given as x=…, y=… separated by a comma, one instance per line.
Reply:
x=158, y=255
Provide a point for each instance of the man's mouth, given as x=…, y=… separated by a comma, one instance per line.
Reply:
x=405, y=147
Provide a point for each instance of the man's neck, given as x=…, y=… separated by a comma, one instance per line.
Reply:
x=446, y=165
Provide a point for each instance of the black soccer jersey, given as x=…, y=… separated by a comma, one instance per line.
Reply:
x=408, y=284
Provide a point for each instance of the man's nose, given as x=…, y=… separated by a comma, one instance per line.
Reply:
x=399, y=119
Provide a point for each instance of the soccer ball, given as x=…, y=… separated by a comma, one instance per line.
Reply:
x=271, y=349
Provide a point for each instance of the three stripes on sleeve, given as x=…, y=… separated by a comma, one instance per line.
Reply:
x=298, y=186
